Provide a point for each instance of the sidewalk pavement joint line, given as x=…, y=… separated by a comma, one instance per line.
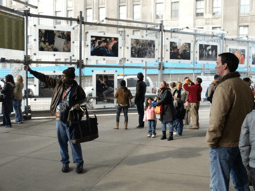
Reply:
x=100, y=178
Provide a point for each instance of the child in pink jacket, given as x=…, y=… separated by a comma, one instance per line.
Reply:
x=150, y=116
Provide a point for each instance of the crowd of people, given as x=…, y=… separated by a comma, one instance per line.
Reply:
x=142, y=48
x=102, y=46
x=229, y=135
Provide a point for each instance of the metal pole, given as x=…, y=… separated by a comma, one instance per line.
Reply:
x=222, y=43
x=249, y=58
x=194, y=56
x=160, y=75
x=26, y=60
x=80, y=49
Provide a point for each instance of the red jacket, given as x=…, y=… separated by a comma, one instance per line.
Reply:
x=194, y=92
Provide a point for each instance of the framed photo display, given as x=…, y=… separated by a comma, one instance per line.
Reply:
x=207, y=52
x=103, y=46
x=142, y=49
x=240, y=52
x=179, y=50
x=58, y=41
x=252, y=56
x=104, y=88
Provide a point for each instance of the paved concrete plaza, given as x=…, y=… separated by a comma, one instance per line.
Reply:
x=119, y=160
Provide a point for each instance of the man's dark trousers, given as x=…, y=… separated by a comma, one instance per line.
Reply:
x=140, y=109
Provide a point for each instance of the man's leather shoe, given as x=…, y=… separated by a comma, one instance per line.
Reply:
x=3, y=124
x=65, y=168
x=79, y=169
x=138, y=126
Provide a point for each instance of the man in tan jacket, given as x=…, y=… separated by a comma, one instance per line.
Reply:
x=232, y=101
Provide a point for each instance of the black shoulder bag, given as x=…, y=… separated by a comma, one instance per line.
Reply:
x=83, y=130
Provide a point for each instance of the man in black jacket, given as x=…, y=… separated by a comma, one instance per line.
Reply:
x=67, y=94
x=139, y=98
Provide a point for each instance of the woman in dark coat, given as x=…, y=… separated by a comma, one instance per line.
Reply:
x=7, y=104
x=167, y=117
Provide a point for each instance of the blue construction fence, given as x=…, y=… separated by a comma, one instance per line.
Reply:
x=87, y=71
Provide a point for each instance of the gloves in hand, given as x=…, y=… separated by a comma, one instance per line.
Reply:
x=153, y=104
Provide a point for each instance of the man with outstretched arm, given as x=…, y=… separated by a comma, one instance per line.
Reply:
x=66, y=94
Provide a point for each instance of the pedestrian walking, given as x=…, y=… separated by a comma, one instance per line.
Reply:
x=123, y=95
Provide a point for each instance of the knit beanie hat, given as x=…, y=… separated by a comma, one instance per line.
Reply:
x=123, y=83
x=70, y=72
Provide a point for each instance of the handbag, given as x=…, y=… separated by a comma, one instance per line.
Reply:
x=159, y=109
x=83, y=130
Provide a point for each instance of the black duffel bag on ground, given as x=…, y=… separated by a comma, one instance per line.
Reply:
x=83, y=130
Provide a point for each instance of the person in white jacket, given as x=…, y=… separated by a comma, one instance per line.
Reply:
x=247, y=144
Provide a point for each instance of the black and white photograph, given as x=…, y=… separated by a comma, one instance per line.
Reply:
x=240, y=54
x=143, y=48
x=54, y=40
x=252, y=57
x=207, y=52
x=104, y=46
x=180, y=50
x=104, y=88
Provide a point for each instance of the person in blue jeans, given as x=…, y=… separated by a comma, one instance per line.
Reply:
x=232, y=101
x=18, y=99
x=167, y=117
x=67, y=94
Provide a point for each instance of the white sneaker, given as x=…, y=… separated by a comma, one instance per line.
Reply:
x=175, y=133
x=149, y=135
x=153, y=135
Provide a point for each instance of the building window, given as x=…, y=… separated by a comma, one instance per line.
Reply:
x=40, y=20
x=244, y=6
x=3, y=2
x=136, y=32
x=89, y=15
x=243, y=31
x=175, y=9
x=200, y=7
x=69, y=14
x=216, y=7
x=216, y=29
x=159, y=10
x=137, y=12
x=123, y=12
x=101, y=14
x=58, y=14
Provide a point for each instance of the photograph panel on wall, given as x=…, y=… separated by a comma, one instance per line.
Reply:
x=240, y=52
x=103, y=46
x=142, y=49
x=104, y=88
x=207, y=52
x=179, y=50
x=252, y=56
x=56, y=41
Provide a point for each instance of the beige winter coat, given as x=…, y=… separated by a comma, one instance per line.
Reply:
x=232, y=101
